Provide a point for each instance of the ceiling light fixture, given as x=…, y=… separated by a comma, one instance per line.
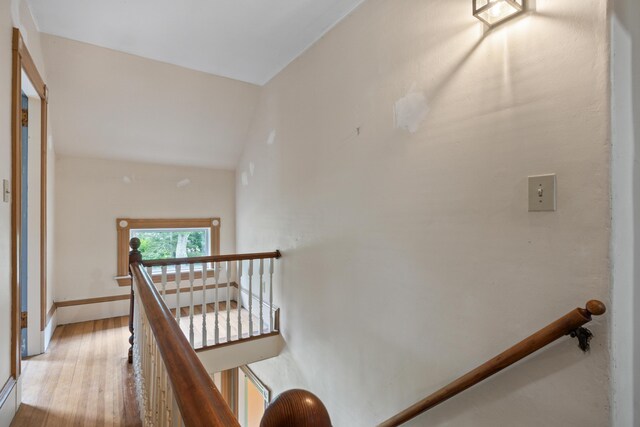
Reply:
x=494, y=12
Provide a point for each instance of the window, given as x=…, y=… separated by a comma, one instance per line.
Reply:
x=246, y=395
x=253, y=398
x=166, y=238
x=164, y=243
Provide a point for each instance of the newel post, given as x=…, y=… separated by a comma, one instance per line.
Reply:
x=134, y=256
x=296, y=408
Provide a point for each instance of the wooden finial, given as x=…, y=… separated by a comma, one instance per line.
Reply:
x=596, y=307
x=134, y=254
x=134, y=243
x=296, y=408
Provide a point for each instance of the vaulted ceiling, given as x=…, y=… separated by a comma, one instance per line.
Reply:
x=248, y=40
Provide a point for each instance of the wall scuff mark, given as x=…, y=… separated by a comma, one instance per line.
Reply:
x=272, y=137
x=410, y=110
x=183, y=183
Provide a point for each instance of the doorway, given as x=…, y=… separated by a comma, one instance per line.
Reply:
x=24, y=226
x=28, y=207
x=246, y=395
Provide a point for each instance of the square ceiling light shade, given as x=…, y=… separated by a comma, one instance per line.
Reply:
x=494, y=12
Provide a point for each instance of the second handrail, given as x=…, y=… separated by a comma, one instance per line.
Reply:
x=569, y=324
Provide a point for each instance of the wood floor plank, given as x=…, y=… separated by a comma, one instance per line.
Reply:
x=93, y=368
x=81, y=377
x=82, y=380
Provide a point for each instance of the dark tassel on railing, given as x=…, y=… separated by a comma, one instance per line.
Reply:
x=584, y=337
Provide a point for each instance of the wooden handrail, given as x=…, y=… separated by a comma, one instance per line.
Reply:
x=569, y=324
x=200, y=403
x=213, y=258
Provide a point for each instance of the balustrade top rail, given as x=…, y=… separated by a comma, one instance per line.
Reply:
x=212, y=258
x=199, y=401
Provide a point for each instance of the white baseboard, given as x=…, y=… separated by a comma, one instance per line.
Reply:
x=87, y=312
x=49, y=330
x=10, y=406
x=106, y=310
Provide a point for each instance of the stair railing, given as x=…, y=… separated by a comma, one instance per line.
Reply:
x=569, y=324
x=172, y=386
x=202, y=291
x=174, y=389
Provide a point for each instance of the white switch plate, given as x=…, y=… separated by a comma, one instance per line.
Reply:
x=542, y=193
x=6, y=191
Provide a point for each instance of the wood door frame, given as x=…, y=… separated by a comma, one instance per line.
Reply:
x=22, y=60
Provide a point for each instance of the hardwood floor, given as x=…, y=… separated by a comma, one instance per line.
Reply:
x=82, y=380
x=222, y=323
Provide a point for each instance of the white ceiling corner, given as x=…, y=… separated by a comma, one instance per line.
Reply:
x=249, y=40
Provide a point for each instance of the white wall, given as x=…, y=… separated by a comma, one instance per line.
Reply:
x=117, y=106
x=625, y=245
x=91, y=193
x=5, y=208
x=110, y=104
x=389, y=164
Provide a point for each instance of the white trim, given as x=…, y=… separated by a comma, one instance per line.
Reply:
x=10, y=407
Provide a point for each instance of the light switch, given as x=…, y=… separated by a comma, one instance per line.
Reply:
x=542, y=193
x=6, y=191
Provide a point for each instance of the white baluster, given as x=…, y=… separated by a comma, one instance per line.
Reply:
x=164, y=282
x=250, y=297
x=204, y=304
x=271, y=313
x=261, y=299
x=176, y=413
x=150, y=271
x=228, y=270
x=191, y=279
x=154, y=384
x=163, y=395
x=239, y=300
x=216, y=278
x=178, y=278
x=170, y=405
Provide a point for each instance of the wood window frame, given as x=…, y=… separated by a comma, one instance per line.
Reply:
x=125, y=225
x=230, y=387
x=266, y=391
x=22, y=60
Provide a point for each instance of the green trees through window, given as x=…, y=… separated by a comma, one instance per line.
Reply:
x=173, y=243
